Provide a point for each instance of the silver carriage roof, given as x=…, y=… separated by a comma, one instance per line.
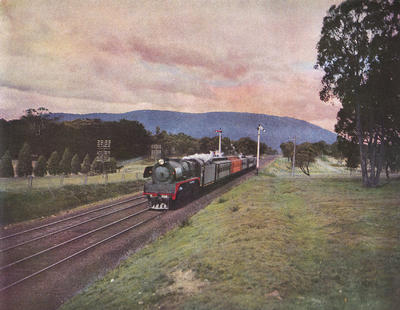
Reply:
x=205, y=158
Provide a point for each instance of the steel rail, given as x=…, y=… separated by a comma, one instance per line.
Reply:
x=78, y=253
x=69, y=227
x=70, y=218
x=71, y=240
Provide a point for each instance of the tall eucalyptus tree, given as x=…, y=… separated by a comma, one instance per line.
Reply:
x=359, y=51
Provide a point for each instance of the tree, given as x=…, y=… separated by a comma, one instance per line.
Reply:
x=40, y=168
x=24, y=165
x=208, y=144
x=75, y=164
x=334, y=151
x=85, y=166
x=392, y=159
x=321, y=147
x=37, y=119
x=96, y=166
x=349, y=150
x=53, y=163
x=265, y=149
x=305, y=155
x=6, y=168
x=287, y=150
x=112, y=165
x=359, y=51
x=246, y=146
x=65, y=163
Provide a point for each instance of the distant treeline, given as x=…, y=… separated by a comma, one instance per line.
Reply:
x=37, y=136
x=44, y=136
x=182, y=144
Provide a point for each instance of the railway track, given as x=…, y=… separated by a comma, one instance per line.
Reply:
x=46, y=246
x=48, y=279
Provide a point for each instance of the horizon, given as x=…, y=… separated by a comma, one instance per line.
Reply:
x=184, y=56
x=117, y=113
x=146, y=110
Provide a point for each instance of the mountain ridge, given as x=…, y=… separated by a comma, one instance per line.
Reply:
x=235, y=125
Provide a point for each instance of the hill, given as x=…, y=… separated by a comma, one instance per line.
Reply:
x=235, y=125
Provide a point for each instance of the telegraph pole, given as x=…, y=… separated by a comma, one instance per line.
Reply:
x=219, y=132
x=259, y=128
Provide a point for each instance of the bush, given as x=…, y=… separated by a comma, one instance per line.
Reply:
x=52, y=163
x=75, y=164
x=234, y=208
x=65, y=163
x=113, y=165
x=24, y=166
x=6, y=168
x=40, y=169
x=85, y=166
x=305, y=155
x=96, y=166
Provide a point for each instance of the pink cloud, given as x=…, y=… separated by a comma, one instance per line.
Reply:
x=231, y=67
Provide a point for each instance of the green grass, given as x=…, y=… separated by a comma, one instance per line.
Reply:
x=325, y=167
x=131, y=172
x=19, y=206
x=271, y=243
x=18, y=202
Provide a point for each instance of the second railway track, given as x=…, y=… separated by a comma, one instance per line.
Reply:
x=25, y=256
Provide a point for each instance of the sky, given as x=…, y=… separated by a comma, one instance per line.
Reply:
x=190, y=56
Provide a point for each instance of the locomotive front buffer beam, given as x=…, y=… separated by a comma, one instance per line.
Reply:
x=161, y=202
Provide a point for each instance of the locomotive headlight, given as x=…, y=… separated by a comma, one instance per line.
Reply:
x=161, y=161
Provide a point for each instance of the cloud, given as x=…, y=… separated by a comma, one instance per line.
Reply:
x=194, y=56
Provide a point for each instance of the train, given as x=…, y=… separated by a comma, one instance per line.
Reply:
x=173, y=179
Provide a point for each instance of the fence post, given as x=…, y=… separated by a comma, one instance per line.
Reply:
x=30, y=178
x=85, y=179
x=62, y=180
x=106, y=178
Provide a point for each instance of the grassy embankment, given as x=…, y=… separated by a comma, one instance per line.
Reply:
x=272, y=243
x=18, y=203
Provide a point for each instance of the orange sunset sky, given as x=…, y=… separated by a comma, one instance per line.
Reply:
x=189, y=56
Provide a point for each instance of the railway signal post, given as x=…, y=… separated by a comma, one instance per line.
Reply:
x=219, y=132
x=259, y=128
x=103, y=154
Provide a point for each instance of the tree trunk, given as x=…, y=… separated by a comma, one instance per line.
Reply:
x=387, y=171
x=380, y=160
x=372, y=160
x=363, y=159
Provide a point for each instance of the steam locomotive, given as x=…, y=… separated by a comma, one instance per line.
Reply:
x=175, y=178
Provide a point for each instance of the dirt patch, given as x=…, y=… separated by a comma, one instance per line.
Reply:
x=184, y=282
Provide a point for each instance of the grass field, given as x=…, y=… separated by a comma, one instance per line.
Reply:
x=18, y=202
x=130, y=172
x=325, y=166
x=17, y=206
x=271, y=243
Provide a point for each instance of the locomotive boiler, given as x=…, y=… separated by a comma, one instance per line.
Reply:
x=173, y=179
